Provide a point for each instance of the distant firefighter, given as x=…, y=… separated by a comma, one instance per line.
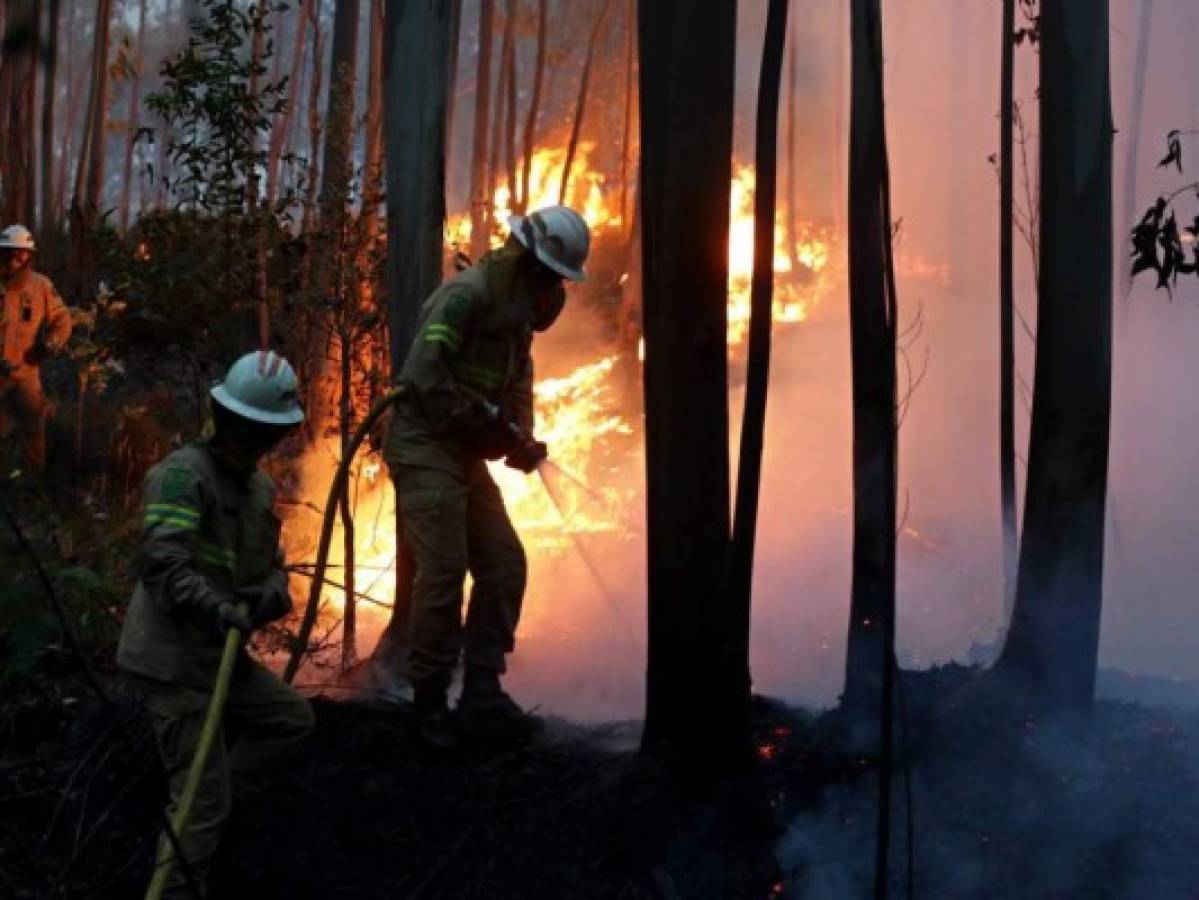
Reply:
x=468, y=382
x=34, y=325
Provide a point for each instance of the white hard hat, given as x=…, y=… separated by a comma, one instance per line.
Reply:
x=558, y=236
x=262, y=387
x=17, y=237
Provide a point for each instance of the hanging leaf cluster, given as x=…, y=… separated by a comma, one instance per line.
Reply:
x=1159, y=245
x=1031, y=31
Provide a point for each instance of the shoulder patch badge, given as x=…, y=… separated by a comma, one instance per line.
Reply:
x=175, y=482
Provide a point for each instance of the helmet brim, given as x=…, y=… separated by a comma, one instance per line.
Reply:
x=231, y=403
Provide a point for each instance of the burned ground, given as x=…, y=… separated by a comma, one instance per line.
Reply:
x=1098, y=807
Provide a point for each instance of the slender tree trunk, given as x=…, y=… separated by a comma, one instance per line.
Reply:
x=98, y=131
x=1007, y=351
x=451, y=103
x=349, y=622
x=688, y=55
x=500, y=117
x=283, y=122
x=1053, y=643
x=872, y=352
x=581, y=103
x=49, y=99
x=19, y=95
x=314, y=124
x=1132, y=159
x=530, y=138
x=135, y=103
x=339, y=114
x=630, y=53
x=480, y=200
x=753, y=425
x=416, y=55
x=511, y=109
x=74, y=90
x=793, y=140
x=372, y=170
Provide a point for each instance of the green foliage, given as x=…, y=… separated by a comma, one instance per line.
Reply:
x=217, y=111
x=1159, y=244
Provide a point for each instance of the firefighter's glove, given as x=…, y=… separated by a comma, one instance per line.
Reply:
x=228, y=615
x=267, y=603
x=528, y=456
x=498, y=437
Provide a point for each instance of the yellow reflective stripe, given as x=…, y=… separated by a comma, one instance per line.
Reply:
x=443, y=334
x=171, y=509
x=181, y=524
x=217, y=556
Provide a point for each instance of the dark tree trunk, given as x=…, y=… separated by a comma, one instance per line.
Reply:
x=687, y=70
x=315, y=129
x=372, y=169
x=753, y=425
x=416, y=55
x=451, y=97
x=581, y=102
x=480, y=201
x=19, y=95
x=500, y=115
x=530, y=138
x=135, y=104
x=98, y=130
x=1053, y=644
x=872, y=354
x=1007, y=350
x=510, y=104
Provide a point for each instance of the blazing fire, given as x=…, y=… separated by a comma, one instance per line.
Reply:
x=577, y=414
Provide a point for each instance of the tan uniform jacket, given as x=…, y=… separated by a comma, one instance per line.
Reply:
x=31, y=304
x=205, y=533
x=473, y=344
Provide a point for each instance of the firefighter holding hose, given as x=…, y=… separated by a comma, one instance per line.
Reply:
x=210, y=561
x=468, y=398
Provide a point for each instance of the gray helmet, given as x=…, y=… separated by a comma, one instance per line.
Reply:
x=558, y=236
x=262, y=387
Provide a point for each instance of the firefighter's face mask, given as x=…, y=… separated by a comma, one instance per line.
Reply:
x=548, y=295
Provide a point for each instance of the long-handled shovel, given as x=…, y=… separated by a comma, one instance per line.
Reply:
x=212, y=722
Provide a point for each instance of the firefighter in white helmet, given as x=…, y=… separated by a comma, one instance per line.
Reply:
x=34, y=324
x=468, y=399
x=209, y=544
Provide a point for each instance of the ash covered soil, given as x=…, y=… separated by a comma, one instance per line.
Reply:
x=1096, y=807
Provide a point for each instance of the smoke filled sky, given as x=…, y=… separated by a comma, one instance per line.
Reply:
x=942, y=83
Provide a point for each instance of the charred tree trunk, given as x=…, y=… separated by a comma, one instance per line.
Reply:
x=372, y=170
x=530, y=138
x=451, y=96
x=279, y=132
x=98, y=130
x=1053, y=644
x=416, y=55
x=753, y=425
x=687, y=64
x=1007, y=349
x=49, y=99
x=314, y=123
x=135, y=103
x=581, y=103
x=19, y=96
x=872, y=353
x=480, y=201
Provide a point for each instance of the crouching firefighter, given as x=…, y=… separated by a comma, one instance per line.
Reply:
x=209, y=552
x=468, y=398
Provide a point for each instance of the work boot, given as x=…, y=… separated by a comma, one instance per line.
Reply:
x=486, y=712
x=434, y=727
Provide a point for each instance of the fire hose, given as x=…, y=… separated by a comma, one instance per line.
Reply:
x=212, y=723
